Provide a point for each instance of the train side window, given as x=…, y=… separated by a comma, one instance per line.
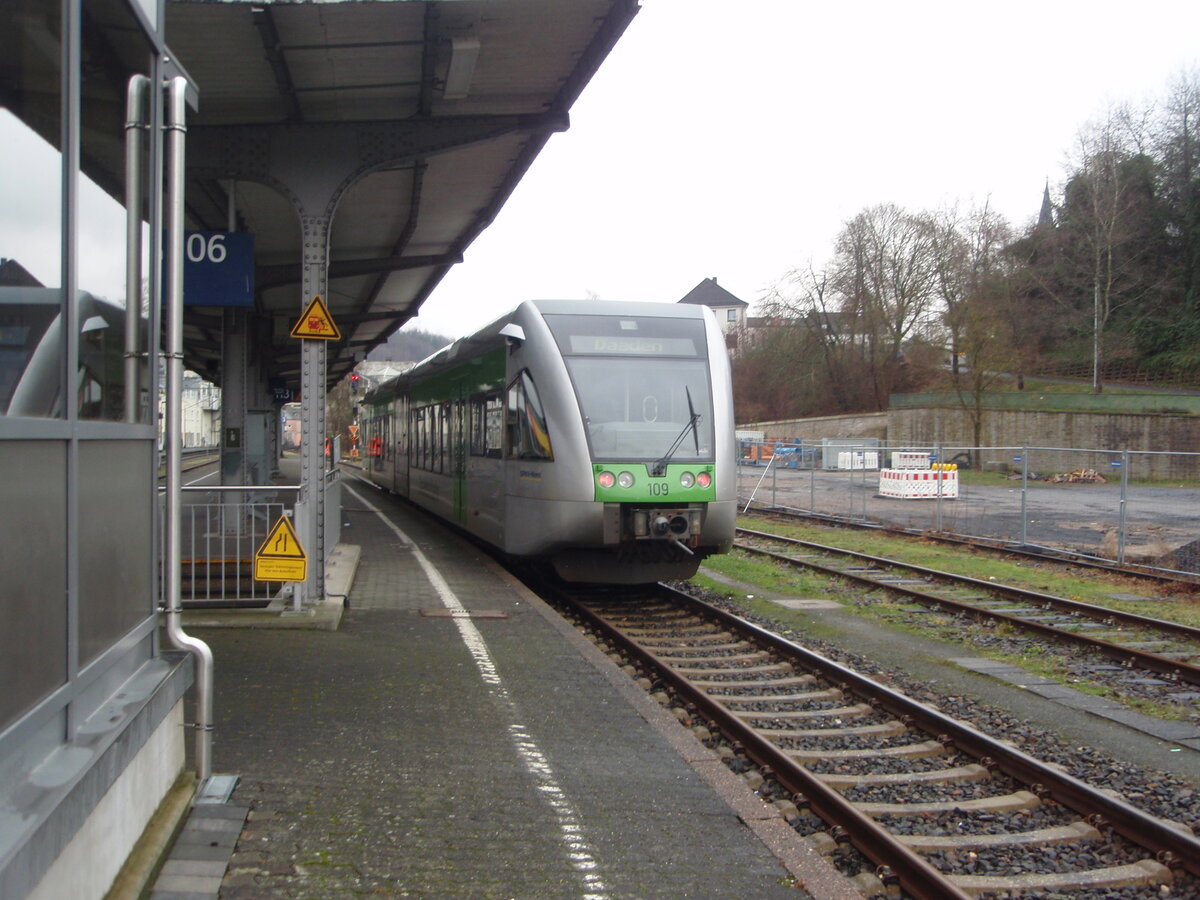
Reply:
x=435, y=438
x=493, y=426
x=444, y=448
x=487, y=425
x=400, y=416
x=418, y=438
x=430, y=424
x=414, y=440
x=475, y=411
x=528, y=435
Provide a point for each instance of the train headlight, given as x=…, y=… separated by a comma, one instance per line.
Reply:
x=704, y=479
x=687, y=479
x=605, y=479
x=625, y=480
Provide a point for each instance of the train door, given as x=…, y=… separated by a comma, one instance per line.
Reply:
x=399, y=415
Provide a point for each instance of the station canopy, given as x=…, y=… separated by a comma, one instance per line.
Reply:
x=465, y=93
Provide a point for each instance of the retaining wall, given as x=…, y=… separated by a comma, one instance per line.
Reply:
x=1164, y=444
x=1175, y=437
x=862, y=425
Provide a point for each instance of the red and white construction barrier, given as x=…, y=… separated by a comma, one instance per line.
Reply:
x=910, y=459
x=910, y=485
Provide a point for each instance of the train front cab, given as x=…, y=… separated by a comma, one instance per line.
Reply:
x=636, y=484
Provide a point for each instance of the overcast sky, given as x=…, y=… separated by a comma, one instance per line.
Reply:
x=734, y=139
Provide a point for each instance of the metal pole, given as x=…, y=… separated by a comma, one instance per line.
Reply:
x=176, y=129
x=774, y=482
x=135, y=122
x=759, y=484
x=812, y=482
x=1124, y=508
x=1024, y=492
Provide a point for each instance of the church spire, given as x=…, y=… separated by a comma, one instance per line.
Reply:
x=1046, y=215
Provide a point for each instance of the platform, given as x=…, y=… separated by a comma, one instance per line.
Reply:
x=455, y=738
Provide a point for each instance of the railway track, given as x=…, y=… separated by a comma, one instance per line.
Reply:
x=1169, y=649
x=925, y=801
x=1006, y=548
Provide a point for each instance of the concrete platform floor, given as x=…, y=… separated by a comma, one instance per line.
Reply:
x=455, y=738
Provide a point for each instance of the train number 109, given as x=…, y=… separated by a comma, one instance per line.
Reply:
x=659, y=489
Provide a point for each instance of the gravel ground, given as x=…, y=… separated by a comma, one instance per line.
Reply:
x=1078, y=663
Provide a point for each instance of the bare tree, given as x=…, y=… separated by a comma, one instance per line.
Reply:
x=975, y=287
x=1104, y=201
x=885, y=276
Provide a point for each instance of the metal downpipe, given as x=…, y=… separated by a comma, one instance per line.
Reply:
x=176, y=129
x=135, y=123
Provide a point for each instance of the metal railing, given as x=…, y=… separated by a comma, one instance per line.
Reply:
x=222, y=528
x=1129, y=507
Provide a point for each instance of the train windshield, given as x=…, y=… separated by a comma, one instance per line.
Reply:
x=638, y=381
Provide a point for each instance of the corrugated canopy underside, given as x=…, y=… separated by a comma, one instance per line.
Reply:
x=438, y=109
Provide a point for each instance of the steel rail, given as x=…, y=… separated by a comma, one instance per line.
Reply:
x=915, y=874
x=1129, y=656
x=999, y=545
x=1143, y=829
x=1017, y=593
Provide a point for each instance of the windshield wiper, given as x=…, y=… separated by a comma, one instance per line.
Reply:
x=659, y=467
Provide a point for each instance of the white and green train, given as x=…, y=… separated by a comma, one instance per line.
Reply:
x=594, y=436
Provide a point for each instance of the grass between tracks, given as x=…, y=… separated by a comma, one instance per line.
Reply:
x=883, y=609
x=1174, y=603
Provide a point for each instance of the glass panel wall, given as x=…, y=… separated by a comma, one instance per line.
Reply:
x=33, y=563
x=113, y=51
x=31, y=227
x=76, y=554
x=115, y=513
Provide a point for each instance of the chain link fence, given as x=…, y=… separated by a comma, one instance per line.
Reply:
x=1134, y=508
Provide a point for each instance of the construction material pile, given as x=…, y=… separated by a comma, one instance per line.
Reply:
x=1079, y=476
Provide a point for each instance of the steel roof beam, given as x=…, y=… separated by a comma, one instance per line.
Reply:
x=267, y=277
x=269, y=36
x=223, y=151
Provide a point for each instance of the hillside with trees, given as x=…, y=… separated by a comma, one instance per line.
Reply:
x=412, y=345
x=1104, y=285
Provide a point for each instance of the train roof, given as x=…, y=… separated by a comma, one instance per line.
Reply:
x=489, y=336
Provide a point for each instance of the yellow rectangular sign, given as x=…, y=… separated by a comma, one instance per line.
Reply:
x=272, y=569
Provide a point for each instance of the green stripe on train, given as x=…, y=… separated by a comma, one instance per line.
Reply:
x=477, y=375
x=666, y=489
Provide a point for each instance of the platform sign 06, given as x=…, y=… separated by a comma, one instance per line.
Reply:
x=218, y=268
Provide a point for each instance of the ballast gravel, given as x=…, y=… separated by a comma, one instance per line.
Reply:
x=1157, y=793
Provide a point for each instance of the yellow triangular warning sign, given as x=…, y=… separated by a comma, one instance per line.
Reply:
x=282, y=542
x=316, y=322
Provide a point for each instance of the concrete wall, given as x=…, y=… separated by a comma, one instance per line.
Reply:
x=1164, y=446
x=79, y=813
x=89, y=863
x=865, y=425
